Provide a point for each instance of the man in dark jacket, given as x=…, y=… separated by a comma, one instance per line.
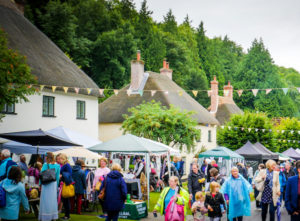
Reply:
x=195, y=181
x=288, y=172
x=80, y=185
x=292, y=195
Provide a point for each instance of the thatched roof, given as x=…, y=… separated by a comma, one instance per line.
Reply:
x=226, y=107
x=112, y=109
x=47, y=61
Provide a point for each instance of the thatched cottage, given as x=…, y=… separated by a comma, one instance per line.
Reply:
x=52, y=67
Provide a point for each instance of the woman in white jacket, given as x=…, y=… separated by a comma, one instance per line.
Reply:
x=268, y=184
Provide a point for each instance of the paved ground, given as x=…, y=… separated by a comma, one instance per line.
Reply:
x=255, y=215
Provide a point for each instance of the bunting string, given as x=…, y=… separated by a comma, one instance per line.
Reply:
x=194, y=92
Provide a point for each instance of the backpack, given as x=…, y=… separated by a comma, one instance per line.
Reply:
x=2, y=196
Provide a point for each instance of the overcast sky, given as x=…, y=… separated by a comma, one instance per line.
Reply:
x=277, y=22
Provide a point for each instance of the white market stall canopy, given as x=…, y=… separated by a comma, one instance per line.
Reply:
x=130, y=144
x=78, y=152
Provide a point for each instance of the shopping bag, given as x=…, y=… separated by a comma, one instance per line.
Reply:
x=174, y=211
x=68, y=191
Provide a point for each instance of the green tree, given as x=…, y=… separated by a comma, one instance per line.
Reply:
x=258, y=71
x=15, y=75
x=112, y=54
x=288, y=134
x=156, y=122
x=239, y=133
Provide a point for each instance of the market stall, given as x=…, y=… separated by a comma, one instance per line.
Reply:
x=265, y=150
x=224, y=157
x=253, y=155
x=282, y=157
x=292, y=153
x=134, y=145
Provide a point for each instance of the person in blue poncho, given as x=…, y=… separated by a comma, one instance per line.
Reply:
x=236, y=190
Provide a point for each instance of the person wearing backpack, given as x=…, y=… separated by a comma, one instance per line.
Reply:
x=6, y=163
x=12, y=193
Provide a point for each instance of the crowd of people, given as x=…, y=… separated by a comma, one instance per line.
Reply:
x=210, y=194
x=60, y=185
x=64, y=188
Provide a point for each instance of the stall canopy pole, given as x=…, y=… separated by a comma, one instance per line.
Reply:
x=148, y=177
x=169, y=164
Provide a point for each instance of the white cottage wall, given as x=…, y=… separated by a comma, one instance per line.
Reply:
x=29, y=114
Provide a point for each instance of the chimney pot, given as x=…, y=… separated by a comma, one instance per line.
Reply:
x=138, y=55
x=165, y=63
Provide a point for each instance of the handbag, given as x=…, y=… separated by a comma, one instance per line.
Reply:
x=102, y=192
x=68, y=191
x=98, y=185
x=47, y=176
x=260, y=186
x=174, y=211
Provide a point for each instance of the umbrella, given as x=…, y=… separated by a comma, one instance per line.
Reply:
x=61, y=132
x=78, y=152
x=37, y=138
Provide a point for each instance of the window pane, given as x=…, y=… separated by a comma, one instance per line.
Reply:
x=83, y=109
x=78, y=109
x=4, y=108
x=51, y=106
x=45, y=105
x=11, y=108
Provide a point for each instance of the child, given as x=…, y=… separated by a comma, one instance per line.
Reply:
x=214, y=202
x=198, y=208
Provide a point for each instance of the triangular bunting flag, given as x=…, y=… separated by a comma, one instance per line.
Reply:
x=242, y=129
x=195, y=93
x=240, y=92
x=263, y=130
x=289, y=141
x=128, y=92
x=285, y=90
x=180, y=93
x=153, y=92
x=89, y=90
x=298, y=89
x=254, y=91
x=226, y=93
x=256, y=129
x=229, y=127
x=268, y=91
x=29, y=86
x=292, y=131
x=249, y=129
x=209, y=93
x=282, y=131
x=298, y=131
x=66, y=89
x=222, y=127
x=42, y=87
x=116, y=92
x=76, y=89
x=101, y=91
x=54, y=88
x=166, y=92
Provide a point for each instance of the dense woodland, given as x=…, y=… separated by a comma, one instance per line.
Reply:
x=102, y=36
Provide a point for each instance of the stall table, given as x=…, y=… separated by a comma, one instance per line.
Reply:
x=135, y=211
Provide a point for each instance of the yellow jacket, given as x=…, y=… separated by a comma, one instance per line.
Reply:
x=183, y=199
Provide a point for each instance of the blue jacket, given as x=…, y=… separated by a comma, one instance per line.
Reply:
x=291, y=194
x=5, y=166
x=115, y=191
x=79, y=178
x=66, y=172
x=282, y=181
x=15, y=193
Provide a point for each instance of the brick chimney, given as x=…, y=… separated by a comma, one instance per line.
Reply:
x=137, y=72
x=228, y=91
x=166, y=70
x=214, y=97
